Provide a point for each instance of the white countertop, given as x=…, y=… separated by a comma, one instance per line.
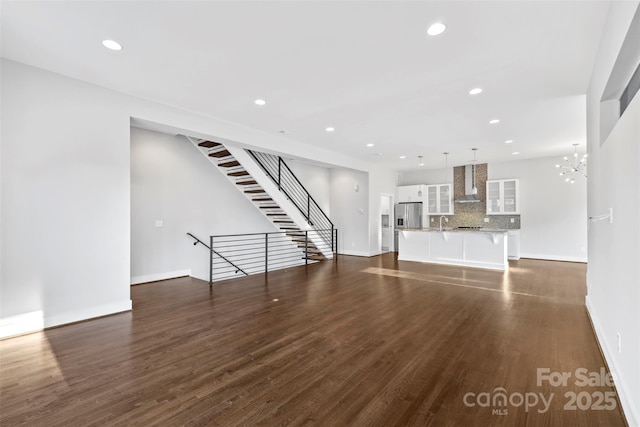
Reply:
x=457, y=230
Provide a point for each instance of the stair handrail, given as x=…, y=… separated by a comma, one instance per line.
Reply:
x=278, y=181
x=217, y=253
x=269, y=251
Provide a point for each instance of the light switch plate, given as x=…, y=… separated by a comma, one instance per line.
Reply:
x=486, y=220
x=159, y=223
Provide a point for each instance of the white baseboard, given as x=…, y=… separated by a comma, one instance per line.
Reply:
x=356, y=253
x=136, y=280
x=554, y=257
x=195, y=276
x=37, y=320
x=630, y=411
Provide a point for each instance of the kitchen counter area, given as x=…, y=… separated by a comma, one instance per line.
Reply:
x=482, y=248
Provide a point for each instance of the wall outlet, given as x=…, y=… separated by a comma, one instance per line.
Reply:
x=486, y=219
x=619, y=343
x=512, y=220
x=159, y=223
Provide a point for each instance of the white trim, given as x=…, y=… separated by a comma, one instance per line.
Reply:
x=35, y=321
x=633, y=419
x=136, y=280
x=204, y=279
x=554, y=257
x=357, y=253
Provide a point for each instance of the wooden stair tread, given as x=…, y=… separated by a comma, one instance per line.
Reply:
x=312, y=252
x=229, y=164
x=276, y=214
x=254, y=191
x=238, y=173
x=222, y=153
x=262, y=199
x=283, y=222
x=269, y=207
x=209, y=144
x=247, y=182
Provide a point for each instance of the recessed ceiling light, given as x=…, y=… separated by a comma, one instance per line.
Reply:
x=494, y=121
x=515, y=153
x=508, y=141
x=475, y=91
x=260, y=102
x=370, y=145
x=436, y=29
x=403, y=157
x=329, y=129
x=378, y=154
x=112, y=44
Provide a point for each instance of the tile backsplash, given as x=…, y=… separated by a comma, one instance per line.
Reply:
x=473, y=214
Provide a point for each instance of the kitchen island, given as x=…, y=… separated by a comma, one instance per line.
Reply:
x=477, y=248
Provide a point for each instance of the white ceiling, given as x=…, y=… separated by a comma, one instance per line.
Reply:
x=366, y=68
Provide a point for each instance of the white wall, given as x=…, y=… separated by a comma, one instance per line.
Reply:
x=65, y=202
x=65, y=181
x=172, y=181
x=613, y=275
x=553, y=213
x=350, y=210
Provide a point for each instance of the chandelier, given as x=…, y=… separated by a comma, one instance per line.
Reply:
x=573, y=166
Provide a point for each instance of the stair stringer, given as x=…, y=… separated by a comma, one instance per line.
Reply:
x=258, y=174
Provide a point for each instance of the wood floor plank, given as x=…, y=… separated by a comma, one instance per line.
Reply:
x=350, y=342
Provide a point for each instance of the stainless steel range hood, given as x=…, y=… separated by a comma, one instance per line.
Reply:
x=470, y=190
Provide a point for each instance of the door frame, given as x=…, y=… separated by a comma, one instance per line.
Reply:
x=392, y=222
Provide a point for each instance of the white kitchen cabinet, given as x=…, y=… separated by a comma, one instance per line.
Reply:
x=439, y=199
x=513, y=244
x=503, y=197
x=411, y=193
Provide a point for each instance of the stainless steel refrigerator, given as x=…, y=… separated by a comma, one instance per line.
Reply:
x=407, y=215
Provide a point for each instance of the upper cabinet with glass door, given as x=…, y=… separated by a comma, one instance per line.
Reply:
x=503, y=197
x=439, y=199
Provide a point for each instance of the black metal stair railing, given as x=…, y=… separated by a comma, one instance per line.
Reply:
x=222, y=257
x=263, y=252
x=253, y=253
x=289, y=184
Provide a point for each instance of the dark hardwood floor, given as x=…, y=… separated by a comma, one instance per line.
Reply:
x=356, y=342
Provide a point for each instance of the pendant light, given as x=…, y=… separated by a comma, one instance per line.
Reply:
x=573, y=166
x=446, y=164
x=420, y=163
x=474, y=190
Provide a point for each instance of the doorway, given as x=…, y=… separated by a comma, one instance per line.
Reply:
x=386, y=223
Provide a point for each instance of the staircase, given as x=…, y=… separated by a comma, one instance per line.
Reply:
x=246, y=173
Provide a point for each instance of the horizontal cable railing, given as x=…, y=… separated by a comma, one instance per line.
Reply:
x=291, y=186
x=221, y=258
x=263, y=252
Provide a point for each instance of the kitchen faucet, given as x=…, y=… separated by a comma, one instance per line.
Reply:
x=445, y=220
